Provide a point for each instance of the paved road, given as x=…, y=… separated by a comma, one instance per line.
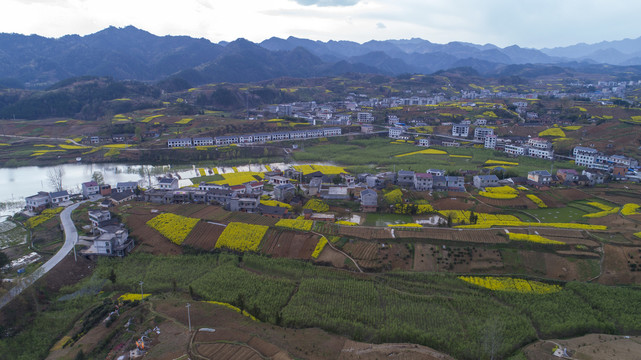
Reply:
x=71, y=237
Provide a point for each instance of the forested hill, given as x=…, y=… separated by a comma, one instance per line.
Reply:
x=132, y=54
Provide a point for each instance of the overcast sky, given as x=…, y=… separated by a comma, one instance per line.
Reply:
x=538, y=24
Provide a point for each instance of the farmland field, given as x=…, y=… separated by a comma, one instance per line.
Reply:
x=289, y=244
x=204, y=236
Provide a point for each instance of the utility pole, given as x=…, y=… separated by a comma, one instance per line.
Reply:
x=189, y=316
x=142, y=294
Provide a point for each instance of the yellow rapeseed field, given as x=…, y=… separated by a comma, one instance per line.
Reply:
x=511, y=284
x=241, y=236
x=173, y=227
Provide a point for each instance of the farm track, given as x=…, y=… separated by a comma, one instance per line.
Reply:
x=340, y=251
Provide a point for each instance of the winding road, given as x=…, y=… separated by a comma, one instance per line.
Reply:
x=71, y=237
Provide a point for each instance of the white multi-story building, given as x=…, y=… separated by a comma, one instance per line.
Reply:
x=424, y=142
x=515, y=150
x=490, y=141
x=364, y=117
x=539, y=143
x=540, y=153
x=481, y=132
x=332, y=131
x=584, y=150
x=180, y=142
x=226, y=140
x=203, y=141
x=392, y=120
x=460, y=130
x=395, y=132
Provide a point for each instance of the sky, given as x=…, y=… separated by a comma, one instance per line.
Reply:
x=533, y=24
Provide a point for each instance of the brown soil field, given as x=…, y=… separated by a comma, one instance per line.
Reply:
x=333, y=257
x=571, y=194
x=251, y=218
x=588, y=347
x=451, y=204
x=279, y=343
x=366, y=232
x=147, y=239
x=550, y=201
x=224, y=351
x=428, y=257
x=621, y=265
x=211, y=213
x=520, y=202
x=290, y=244
x=488, y=236
x=361, y=351
x=549, y=265
x=204, y=236
x=362, y=250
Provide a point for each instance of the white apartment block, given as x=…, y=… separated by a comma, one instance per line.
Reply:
x=395, y=132
x=392, y=120
x=481, y=132
x=364, y=117
x=541, y=153
x=460, y=130
x=490, y=141
x=539, y=143
x=515, y=150
x=424, y=142
x=181, y=142
x=203, y=141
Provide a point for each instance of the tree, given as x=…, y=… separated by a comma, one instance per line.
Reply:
x=98, y=177
x=54, y=177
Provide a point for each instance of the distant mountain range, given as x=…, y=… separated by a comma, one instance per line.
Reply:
x=134, y=54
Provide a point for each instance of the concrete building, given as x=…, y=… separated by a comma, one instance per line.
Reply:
x=37, y=203
x=484, y=181
x=481, y=132
x=460, y=130
x=90, y=188
x=490, y=142
x=423, y=181
x=369, y=200
x=540, y=177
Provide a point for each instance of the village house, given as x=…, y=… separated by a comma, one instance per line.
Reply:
x=484, y=181
x=37, y=203
x=423, y=181
x=90, y=188
x=405, y=178
x=123, y=196
x=126, y=186
x=539, y=177
x=168, y=183
x=105, y=189
x=284, y=192
x=369, y=200
x=113, y=238
x=567, y=176
x=59, y=197
x=594, y=176
x=244, y=203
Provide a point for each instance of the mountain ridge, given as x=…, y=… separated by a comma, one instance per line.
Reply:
x=130, y=53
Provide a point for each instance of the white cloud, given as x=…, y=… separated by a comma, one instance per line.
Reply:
x=502, y=22
x=327, y=2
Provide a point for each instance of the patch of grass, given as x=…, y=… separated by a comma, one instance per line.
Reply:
x=566, y=214
x=375, y=219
